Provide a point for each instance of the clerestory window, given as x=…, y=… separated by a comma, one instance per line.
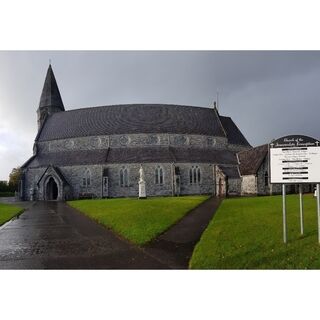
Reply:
x=159, y=175
x=86, y=179
x=124, y=177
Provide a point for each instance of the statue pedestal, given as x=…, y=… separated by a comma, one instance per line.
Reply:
x=142, y=190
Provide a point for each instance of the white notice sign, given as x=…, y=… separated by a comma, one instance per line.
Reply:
x=295, y=159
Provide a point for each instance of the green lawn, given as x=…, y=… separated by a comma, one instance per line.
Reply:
x=7, y=212
x=246, y=233
x=138, y=220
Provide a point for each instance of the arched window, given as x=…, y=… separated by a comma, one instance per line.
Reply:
x=159, y=175
x=124, y=177
x=198, y=175
x=266, y=179
x=195, y=175
x=86, y=179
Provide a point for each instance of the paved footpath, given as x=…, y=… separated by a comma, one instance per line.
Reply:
x=174, y=247
x=52, y=235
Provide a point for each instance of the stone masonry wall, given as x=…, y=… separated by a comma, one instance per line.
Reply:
x=266, y=189
x=234, y=187
x=227, y=186
x=206, y=185
x=263, y=188
x=133, y=140
x=75, y=174
x=248, y=185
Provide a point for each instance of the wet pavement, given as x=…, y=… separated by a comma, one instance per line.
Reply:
x=52, y=235
x=175, y=246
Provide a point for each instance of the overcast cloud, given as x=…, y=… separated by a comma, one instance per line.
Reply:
x=267, y=94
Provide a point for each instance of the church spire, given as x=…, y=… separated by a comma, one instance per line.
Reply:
x=50, y=96
x=50, y=100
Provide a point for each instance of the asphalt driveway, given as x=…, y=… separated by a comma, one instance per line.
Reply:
x=51, y=235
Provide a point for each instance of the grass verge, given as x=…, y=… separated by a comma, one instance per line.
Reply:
x=137, y=220
x=8, y=211
x=246, y=233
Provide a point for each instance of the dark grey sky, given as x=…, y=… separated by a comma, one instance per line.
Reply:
x=268, y=94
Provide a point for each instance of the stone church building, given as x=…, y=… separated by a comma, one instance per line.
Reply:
x=98, y=151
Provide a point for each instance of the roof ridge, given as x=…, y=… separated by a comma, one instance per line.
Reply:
x=259, y=146
x=138, y=104
x=219, y=120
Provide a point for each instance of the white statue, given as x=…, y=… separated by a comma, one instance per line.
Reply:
x=142, y=184
x=141, y=174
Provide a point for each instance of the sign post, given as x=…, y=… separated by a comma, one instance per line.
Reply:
x=318, y=210
x=284, y=213
x=301, y=209
x=295, y=159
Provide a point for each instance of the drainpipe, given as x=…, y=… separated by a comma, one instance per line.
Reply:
x=172, y=178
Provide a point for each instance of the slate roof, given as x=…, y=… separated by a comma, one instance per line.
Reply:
x=80, y=157
x=131, y=119
x=50, y=95
x=170, y=154
x=233, y=133
x=139, y=118
x=230, y=172
x=134, y=155
x=28, y=161
x=251, y=160
x=204, y=155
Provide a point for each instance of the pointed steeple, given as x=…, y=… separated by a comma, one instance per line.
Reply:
x=50, y=96
x=50, y=100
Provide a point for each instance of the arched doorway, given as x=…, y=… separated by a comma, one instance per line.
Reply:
x=51, y=190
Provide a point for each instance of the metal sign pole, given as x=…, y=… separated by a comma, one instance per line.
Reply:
x=284, y=216
x=295, y=159
x=318, y=209
x=301, y=209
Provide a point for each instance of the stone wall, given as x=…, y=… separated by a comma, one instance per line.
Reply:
x=75, y=174
x=133, y=140
x=263, y=185
x=31, y=177
x=262, y=188
x=234, y=187
x=206, y=185
x=248, y=185
x=227, y=186
x=256, y=184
